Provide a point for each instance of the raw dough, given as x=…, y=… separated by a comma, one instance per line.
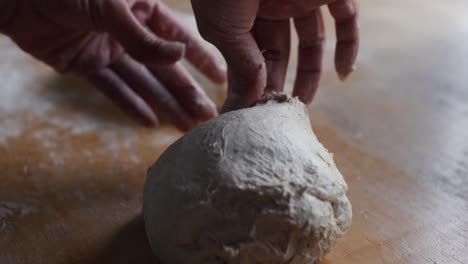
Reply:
x=251, y=186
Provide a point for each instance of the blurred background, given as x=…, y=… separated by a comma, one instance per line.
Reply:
x=72, y=166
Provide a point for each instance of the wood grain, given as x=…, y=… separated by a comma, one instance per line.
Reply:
x=72, y=167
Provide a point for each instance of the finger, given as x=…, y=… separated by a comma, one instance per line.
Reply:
x=153, y=92
x=186, y=91
x=227, y=25
x=121, y=23
x=345, y=13
x=112, y=86
x=166, y=25
x=311, y=32
x=142, y=11
x=274, y=40
x=246, y=72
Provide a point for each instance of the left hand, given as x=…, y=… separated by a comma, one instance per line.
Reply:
x=107, y=43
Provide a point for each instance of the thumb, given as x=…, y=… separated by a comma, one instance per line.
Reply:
x=119, y=21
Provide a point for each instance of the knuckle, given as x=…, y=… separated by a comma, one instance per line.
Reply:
x=312, y=43
x=100, y=11
x=218, y=31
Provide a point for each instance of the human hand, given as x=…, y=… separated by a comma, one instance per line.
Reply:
x=254, y=37
x=108, y=43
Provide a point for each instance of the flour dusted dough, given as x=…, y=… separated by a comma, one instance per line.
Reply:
x=251, y=186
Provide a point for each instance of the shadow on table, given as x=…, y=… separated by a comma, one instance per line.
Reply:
x=130, y=245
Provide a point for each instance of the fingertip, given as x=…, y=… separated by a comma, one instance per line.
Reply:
x=305, y=97
x=210, y=64
x=174, y=51
x=176, y=48
x=207, y=110
x=220, y=76
x=143, y=114
x=197, y=104
x=343, y=76
x=167, y=26
x=236, y=101
x=345, y=72
x=150, y=122
x=159, y=53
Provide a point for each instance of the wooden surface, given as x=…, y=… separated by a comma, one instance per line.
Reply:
x=72, y=167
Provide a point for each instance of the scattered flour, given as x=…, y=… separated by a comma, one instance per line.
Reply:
x=10, y=128
x=56, y=159
x=10, y=210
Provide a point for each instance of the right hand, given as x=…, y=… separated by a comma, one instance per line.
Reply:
x=254, y=37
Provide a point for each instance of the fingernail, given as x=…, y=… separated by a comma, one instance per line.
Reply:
x=222, y=67
x=202, y=108
x=208, y=110
x=171, y=52
x=177, y=48
x=150, y=124
x=343, y=75
x=222, y=75
x=149, y=120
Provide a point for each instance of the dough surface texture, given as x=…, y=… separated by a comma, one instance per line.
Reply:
x=251, y=186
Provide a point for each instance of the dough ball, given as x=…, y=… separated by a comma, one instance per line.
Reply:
x=251, y=186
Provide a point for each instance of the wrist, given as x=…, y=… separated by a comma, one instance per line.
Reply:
x=8, y=10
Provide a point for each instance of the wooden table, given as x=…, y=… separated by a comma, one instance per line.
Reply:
x=72, y=166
